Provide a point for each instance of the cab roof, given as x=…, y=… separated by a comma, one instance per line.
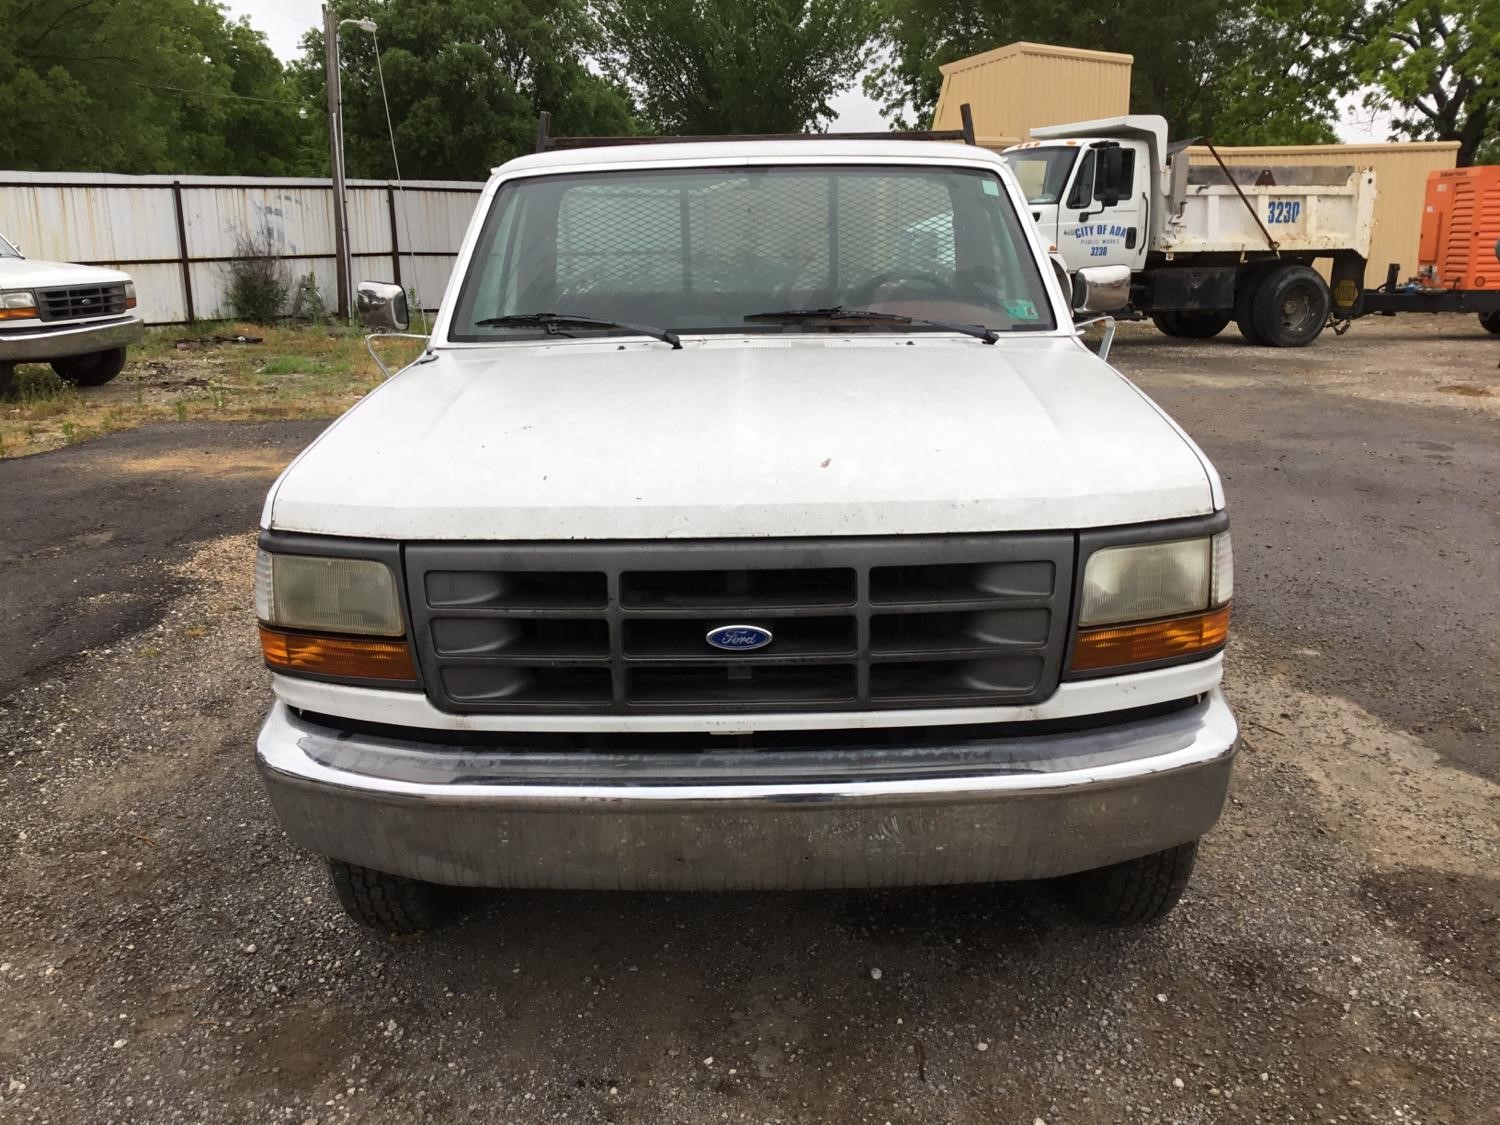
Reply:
x=728, y=152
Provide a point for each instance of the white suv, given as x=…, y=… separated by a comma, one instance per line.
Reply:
x=728, y=536
x=77, y=318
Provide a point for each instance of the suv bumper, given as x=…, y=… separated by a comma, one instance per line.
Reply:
x=1005, y=809
x=63, y=338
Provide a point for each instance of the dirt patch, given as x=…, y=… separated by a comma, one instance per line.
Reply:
x=1466, y=389
x=296, y=372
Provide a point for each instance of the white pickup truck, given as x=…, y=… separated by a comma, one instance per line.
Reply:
x=77, y=318
x=756, y=518
x=1205, y=244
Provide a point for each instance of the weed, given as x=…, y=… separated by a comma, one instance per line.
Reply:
x=140, y=388
x=258, y=285
x=181, y=407
x=69, y=432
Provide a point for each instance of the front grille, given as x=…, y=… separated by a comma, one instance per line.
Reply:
x=81, y=301
x=858, y=624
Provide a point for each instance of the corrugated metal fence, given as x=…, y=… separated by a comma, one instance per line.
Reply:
x=176, y=235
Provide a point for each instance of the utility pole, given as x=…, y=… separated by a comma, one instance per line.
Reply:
x=336, y=155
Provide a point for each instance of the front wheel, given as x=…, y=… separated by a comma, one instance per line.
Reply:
x=1490, y=322
x=392, y=903
x=1132, y=893
x=92, y=370
x=1200, y=325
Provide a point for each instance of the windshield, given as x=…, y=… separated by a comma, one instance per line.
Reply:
x=7, y=250
x=702, y=249
x=1043, y=172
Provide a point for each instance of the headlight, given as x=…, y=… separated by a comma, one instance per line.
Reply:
x=17, y=304
x=130, y=294
x=331, y=617
x=1152, y=602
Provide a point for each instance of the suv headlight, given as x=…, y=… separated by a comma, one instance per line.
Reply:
x=17, y=304
x=331, y=617
x=1150, y=603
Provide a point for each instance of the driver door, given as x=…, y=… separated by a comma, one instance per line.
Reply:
x=1089, y=233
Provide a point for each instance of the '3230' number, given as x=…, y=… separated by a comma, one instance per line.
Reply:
x=1284, y=210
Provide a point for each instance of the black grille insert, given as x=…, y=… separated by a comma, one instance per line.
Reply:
x=912, y=621
x=81, y=301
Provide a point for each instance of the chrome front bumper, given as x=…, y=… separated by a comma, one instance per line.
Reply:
x=66, y=338
x=1010, y=808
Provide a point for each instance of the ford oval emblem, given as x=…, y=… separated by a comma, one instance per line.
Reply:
x=739, y=638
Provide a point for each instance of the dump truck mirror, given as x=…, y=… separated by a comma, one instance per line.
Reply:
x=1101, y=289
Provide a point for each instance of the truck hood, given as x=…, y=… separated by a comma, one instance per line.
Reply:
x=780, y=437
x=28, y=273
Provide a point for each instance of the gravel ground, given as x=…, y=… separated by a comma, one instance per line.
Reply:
x=165, y=955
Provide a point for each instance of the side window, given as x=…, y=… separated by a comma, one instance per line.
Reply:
x=1082, y=195
x=1127, y=174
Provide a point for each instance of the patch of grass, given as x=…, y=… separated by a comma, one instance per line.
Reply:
x=299, y=371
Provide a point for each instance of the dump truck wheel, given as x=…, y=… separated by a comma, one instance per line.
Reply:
x=1491, y=322
x=1244, y=305
x=1167, y=322
x=1198, y=325
x=1132, y=893
x=1291, y=306
x=391, y=903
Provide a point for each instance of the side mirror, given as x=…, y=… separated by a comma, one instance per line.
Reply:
x=382, y=306
x=1060, y=268
x=1101, y=289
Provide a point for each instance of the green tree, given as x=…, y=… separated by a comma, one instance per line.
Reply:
x=466, y=80
x=729, y=66
x=141, y=86
x=1269, y=71
x=1436, y=65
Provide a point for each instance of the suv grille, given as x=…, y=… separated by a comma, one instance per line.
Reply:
x=81, y=301
x=621, y=628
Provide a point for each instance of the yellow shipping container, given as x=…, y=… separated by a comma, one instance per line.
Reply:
x=1021, y=85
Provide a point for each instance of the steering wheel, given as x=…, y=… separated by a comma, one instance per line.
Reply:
x=862, y=294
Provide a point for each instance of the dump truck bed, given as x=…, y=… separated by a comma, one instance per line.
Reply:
x=1308, y=208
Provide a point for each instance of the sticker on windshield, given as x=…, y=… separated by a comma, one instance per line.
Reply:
x=991, y=187
x=1019, y=310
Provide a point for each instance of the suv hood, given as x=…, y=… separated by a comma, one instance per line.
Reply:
x=767, y=437
x=29, y=273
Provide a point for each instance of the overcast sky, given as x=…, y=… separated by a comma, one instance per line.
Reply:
x=284, y=21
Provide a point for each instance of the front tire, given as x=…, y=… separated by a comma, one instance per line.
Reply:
x=92, y=370
x=1291, y=306
x=1132, y=893
x=1490, y=322
x=393, y=904
x=1200, y=324
x=1167, y=323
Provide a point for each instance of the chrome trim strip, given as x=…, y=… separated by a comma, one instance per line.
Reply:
x=1070, y=700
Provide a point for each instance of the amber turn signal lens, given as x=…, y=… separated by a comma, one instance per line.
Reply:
x=1118, y=645
x=18, y=314
x=354, y=658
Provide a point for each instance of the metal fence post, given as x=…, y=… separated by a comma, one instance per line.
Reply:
x=182, y=250
x=390, y=202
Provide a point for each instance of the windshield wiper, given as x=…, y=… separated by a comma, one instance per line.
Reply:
x=838, y=312
x=552, y=321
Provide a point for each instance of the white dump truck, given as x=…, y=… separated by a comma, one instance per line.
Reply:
x=1206, y=244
